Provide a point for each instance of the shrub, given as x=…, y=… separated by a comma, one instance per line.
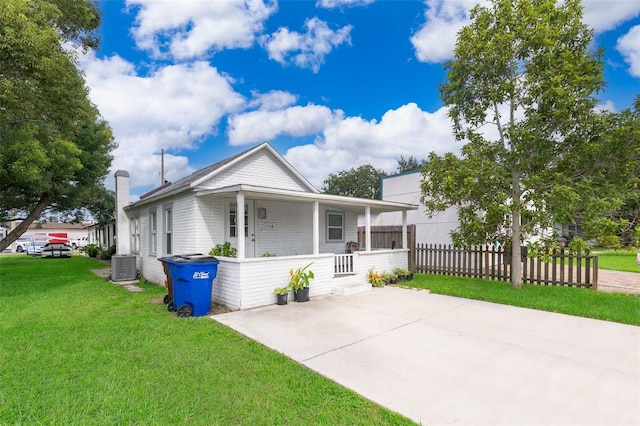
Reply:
x=92, y=250
x=579, y=246
x=224, y=250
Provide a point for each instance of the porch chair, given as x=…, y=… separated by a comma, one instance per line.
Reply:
x=351, y=247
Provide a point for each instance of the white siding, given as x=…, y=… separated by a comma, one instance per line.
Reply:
x=187, y=237
x=287, y=229
x=209, y=222
x=260, y=169
x=260, y=276
x=226, y=286
x=382, y=260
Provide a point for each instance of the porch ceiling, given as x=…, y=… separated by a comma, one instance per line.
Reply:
x=356, y=205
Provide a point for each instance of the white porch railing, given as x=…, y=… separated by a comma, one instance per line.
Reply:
x=345, y=264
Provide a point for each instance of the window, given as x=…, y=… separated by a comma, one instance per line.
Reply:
x=232, y=220
x=153, y=231
x=335, y=226
x=135, y=234
x=168, y=230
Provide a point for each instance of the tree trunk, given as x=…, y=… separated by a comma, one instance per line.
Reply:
x=516, y=232
x=516, y=256
x=24, y=225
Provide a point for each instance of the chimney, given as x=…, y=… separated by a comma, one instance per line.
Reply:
x=123, y=245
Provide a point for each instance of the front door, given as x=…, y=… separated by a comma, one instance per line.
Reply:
x=232, y=233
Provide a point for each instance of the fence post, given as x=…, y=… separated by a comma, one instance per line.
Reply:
x=486, y=261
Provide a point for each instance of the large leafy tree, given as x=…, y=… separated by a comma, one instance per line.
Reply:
x=55, y=148
x=623, y=141
x=361, y=182
x=521, y=91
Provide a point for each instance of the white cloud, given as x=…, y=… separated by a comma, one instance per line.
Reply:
x=353, y=141
x=333, y=4
x=435, y=40
x=306, y=50
x=606, y=106
x=191, y=28
x=263, y=125
x=605, y=15
x=629, y=47
x=346, y=142
x=173, y=108
x=273, y=100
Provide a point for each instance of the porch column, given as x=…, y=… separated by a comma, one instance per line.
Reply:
x=405, y=241
x=240, y=223
x=367, y=232
x=316, y=227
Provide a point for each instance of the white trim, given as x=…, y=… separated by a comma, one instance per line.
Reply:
x=240, y=224
x=376, y=206
x=329, y=226
x=233, y=162
x=316, y=227
x=405, y=238
x=367, y=233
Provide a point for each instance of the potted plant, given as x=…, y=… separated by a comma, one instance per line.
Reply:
x=403, y=274
x=282, y=295
x=375, y=278
x=389, y=278
x=299, y=283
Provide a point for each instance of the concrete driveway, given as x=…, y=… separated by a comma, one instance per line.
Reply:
x=445, y=360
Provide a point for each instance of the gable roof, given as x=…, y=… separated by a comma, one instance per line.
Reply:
x=208, y=172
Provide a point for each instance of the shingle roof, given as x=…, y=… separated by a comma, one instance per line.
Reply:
x=193, y=177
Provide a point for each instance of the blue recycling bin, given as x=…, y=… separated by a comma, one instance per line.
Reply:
x=192, y=277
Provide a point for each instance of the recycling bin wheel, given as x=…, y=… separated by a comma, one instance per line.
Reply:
x=170, y=306
x=184, y=311
x=166, y=299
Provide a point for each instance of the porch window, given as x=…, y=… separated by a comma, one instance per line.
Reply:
x=335, y=226
x=232, y=220
x=135, y=234
x=168, y=230
x=153, y=231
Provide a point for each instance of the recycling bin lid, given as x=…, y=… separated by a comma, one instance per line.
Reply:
x=179, y=256
x=197, y=257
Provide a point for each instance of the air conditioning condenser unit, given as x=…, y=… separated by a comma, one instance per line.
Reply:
x=123, y=267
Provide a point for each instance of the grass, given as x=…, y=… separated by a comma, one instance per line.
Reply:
x=618, y=260
x=623, y=308
x=78, y=350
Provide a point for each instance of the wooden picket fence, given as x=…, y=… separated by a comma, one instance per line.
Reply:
x=492, y=263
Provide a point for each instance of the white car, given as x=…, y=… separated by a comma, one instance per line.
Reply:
x=35, y=249
x=22, y=245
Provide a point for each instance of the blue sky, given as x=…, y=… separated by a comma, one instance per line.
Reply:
x=331, y=84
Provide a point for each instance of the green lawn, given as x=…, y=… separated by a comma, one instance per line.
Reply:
x=624, y=308
x=78, y=350
x=618, y=260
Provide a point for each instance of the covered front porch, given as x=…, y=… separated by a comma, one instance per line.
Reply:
x=324, y=223
x=286, y=230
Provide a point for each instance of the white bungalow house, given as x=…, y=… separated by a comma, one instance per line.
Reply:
x=260, y=204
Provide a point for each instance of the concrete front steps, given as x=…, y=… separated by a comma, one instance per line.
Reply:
x=351, y=284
